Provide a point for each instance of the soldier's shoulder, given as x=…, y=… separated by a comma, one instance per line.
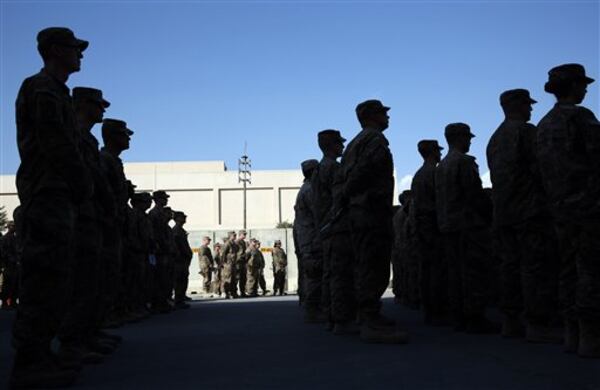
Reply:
x=585, y=114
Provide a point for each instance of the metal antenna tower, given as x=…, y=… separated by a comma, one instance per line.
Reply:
x=244, y=175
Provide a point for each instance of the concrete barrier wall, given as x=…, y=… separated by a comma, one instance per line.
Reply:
x=266, y=237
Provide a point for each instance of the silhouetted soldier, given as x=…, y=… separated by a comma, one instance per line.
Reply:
x=309, y=261
x=183, y=259
x=228, y=258
x=142, y=245
x=523, y=224
x=368, y=190
x=161, y=234
x=331, y=144
x=170, y=257
x=51, y=181
x=206, y=263
x=79, y=343
x=404, y=262
x=279, y=268
x=461, y=205
x=116, y=137
x=240, y=262
x=568, y=150
x=432, y=268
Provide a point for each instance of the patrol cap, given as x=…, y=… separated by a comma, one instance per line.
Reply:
x=457, y=129
x=160, y=194
x=308, y=166
x=277, y=242
x=515, y=95
x=230, y=233
x=330, y=134
x=114, y=126
x=59, y=36
x=242, y=232
x=370, y=106
x=426, y=146
x=217, y=244
x=565, y=73
x=92, y=94
x=207, y=238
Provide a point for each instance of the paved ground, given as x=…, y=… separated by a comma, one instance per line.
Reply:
x=263, y=344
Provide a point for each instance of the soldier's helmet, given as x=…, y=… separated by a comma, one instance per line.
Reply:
x=563, y=74
x=82, y=94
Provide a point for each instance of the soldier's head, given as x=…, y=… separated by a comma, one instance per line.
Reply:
x=257, y=244
x=217, y=247
x=458, y=136
x=242, y=234
x=404, y=197
x=167, y=213
x=206, y=241
x=516, y=104
x=115, y=134
x=60, y=49
x=429, y=149
x=179, y=217
x=308, y=167
x=89, y=104
x=568, y=83
x=277, y=244
x=161, y=198
x=252, y=243
x=141, y=201
x=373, y=114
x=231, y=235
x=331, y=143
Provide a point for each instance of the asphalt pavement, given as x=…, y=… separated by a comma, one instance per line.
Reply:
x=262, y=343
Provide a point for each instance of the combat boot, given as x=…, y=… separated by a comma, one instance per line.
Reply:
x=571, y=344
x=512, y=327
x=182, y=305
x=378, y=321
x=372, y=335
x=346, y=328
x=589, y=340
x=44, y=373
x=541, y=334
x=77, y=354
x=314, y=316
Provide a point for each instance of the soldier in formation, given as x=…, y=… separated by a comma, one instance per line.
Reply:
x=86, y=246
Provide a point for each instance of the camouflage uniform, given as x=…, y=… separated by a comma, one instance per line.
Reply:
x=405, y=262
x=460, y=202
x=523, y=225
x=240, y=265
x=162, y=238
x=228, y=258
x=206, y=262
x=279, y=267
x=52, y=181
x=432, y=267
x=141, y=246
x=254, y=265
x=182, y=262
x=369, y=187
x=568, y=148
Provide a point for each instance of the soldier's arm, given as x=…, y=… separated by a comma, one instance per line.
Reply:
x=57, y=146
x=373, y=157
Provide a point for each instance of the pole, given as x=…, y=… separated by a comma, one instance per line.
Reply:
x=245, y=177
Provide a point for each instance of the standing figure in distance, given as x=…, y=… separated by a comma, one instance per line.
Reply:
x=279, y=268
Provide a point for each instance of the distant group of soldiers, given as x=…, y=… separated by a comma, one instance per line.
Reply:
x=534, y=237
x=91, y=256
x=237, y=267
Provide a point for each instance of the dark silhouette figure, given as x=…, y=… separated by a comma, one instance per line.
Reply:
x=523, y=225
x=568, y=149
x=183, y=259
x=52, y=181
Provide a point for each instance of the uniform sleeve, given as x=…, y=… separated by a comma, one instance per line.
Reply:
x=59, y=147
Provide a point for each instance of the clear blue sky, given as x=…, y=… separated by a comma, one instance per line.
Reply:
x=196, y=79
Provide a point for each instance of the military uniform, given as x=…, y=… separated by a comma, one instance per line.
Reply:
x=460, y=206
x=568, y=148
x=206, y=263
x=368, y=187
x=279, y=269
x=254, y=265
x=218, y=267
x=163, y=243
x=432, y=267
x=141, y=246
x=9, y=266
x=522, y=221
x=240, y=265
x=182, y=261
x=228, y=258
x=52, y=180
x=306, y=230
